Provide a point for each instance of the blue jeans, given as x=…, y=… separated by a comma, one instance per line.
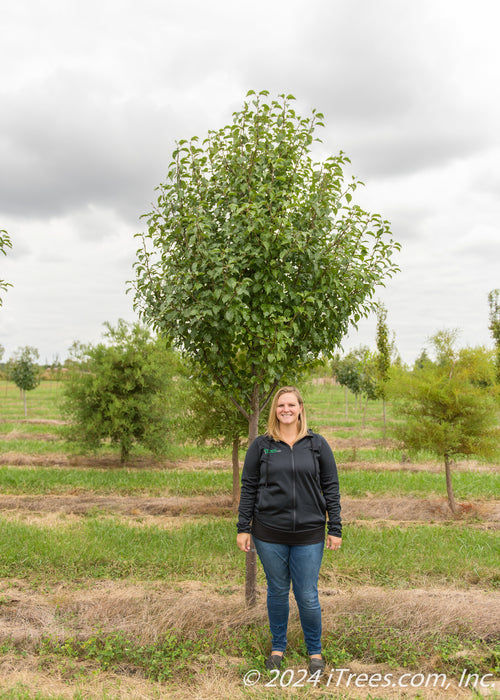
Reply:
x=298, y=564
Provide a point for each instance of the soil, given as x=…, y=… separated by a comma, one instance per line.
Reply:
x=377, y=510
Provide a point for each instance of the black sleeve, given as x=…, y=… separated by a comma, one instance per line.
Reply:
x=249, y=486
x=329, y=481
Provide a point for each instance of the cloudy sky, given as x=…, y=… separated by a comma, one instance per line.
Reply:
x=95, y=94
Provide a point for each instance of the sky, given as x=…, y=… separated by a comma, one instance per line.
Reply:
x=95, y=95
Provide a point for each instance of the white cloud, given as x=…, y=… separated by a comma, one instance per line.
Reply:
x=95, y=94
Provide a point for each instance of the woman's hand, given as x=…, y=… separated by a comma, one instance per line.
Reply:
x=333, y=542
x=243, y=541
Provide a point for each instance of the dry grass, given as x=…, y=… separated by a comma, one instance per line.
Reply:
x=387, y=510
x=147, y=611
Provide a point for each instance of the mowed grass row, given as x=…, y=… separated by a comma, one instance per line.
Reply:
x=211, y=482
x=205, y=550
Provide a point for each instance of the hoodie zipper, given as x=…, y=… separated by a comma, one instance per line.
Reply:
x=294, y=504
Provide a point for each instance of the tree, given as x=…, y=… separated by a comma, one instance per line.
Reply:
x=117, y=390
x=423, y=360
x=5, y=242
x=211, y=415
x=255, y=260
x=383, y=358
x=368, y=378
x=357, y=372
x=346, y=371
x=449, y=407
x=25, y=372
x=494, y=302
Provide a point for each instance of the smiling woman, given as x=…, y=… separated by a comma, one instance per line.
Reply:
x=289, y=483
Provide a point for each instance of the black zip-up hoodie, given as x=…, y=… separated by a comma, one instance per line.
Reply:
x=290, y=488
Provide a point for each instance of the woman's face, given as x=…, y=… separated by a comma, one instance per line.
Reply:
x=288, y=409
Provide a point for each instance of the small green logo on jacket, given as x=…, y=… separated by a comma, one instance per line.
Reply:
x=270, y=452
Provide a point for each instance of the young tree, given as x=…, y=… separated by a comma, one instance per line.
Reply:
x=368, y=378
x=383, y=358
x=255, y=260
x=357, y=372
x=449, y=407
x=117, y=390
x=5, y=243
x=494, y=302
x=347, y=372
x=423, y=360
x=25, y=372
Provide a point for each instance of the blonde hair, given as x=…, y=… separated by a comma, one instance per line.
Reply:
x=273, y=424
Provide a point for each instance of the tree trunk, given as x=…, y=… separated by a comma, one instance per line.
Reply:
x=25, y=404
x=236, y=472
x=346, y=400
x=364, y=412
x=124, y=453
x=449, y=488
x=251, y=555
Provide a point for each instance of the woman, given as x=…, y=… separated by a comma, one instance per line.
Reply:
x=289, y=482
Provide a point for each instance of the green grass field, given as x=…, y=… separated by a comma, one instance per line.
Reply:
x=89, y=539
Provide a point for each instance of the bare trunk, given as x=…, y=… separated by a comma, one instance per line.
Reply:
x=346, y=400
x=364, y=412
x=25, y=404
x=449, y=488
x=251, y=555
x=236, y=472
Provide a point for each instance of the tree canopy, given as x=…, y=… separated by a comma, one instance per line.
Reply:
x=117, y=390
x=449, y=407
x=255, y=259
x=25, y=372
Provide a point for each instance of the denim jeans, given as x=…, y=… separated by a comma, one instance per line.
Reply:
x=298, y=564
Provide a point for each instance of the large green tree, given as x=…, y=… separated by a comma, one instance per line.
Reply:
x=255, y=259
x=449, y=407
x=117, y=390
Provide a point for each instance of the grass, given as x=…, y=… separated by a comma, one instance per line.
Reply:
x=146, y=482
x=204, y=550
x=83, y=552
x=187, y=482
x=43, y=402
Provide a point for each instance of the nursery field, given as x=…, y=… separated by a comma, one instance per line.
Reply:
x=125, y=582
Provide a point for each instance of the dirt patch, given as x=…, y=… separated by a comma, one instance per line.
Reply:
x=21, y=459
x=18, y=435
x=412, y=509
x=35, y=421
x=394, y=510
x=124, y=505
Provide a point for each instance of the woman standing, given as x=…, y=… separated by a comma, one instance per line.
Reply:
x=289, y=483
